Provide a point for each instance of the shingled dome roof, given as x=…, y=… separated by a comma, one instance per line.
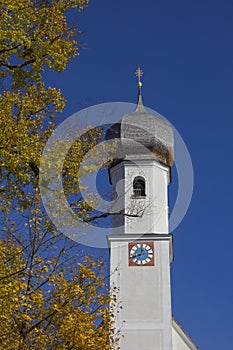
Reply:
x=141, y=128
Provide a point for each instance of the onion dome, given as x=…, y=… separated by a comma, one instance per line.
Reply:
x=142, y=133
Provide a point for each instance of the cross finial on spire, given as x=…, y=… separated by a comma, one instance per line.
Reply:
x=139, y=74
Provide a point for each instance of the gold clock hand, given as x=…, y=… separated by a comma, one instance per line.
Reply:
x=135, y=255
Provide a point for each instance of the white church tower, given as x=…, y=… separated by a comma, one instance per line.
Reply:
x=141, y=251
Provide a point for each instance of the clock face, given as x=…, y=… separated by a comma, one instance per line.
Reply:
x=141, y=254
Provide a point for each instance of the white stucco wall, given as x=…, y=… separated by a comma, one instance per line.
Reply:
x=154, y=205
x=145, y=319
x=180, y=339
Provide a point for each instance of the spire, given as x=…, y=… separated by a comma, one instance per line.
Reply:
x=140, y=107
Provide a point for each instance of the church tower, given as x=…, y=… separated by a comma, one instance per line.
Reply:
x=141, y=251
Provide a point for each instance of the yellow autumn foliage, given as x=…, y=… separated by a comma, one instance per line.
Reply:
x=52, y=296
x=56, y=310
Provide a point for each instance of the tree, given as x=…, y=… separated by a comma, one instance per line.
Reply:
x=48, y=303
x=53, y=296
x=34, y=36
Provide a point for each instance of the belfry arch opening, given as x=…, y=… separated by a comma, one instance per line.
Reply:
x=139, y=187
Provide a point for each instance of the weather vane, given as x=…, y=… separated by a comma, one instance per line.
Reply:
x=139, y=74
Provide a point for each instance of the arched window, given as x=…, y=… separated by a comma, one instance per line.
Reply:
x=139, y=187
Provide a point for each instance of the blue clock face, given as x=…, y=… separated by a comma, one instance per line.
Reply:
x=141, y=253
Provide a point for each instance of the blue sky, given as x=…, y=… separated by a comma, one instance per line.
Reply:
x=185, y=49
